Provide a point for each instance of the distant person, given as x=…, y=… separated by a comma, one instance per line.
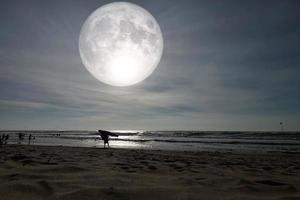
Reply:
x=6, y=138
x=105, y=136
x=29, y=138
x=3, y=139
x=21, y=136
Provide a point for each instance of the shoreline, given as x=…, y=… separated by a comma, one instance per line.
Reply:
x=186, y=141
x=204, y=150
x=59, y=172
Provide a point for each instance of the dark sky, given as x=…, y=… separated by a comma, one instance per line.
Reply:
x=226, y=65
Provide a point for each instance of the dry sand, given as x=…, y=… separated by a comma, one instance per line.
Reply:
x=41, y=172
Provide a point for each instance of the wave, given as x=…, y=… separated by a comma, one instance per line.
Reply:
x=213, y=137
x=211, y=142
x=178, y=140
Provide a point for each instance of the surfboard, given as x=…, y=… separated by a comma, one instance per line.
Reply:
x=108, y=133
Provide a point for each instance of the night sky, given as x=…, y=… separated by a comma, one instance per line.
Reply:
x=226, y=65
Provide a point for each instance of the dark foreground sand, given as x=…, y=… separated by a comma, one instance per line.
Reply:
x=40, y=172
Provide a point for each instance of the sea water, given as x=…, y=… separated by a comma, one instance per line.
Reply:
x=167, y=140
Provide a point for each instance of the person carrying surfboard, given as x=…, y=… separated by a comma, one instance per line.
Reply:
x=105, y=136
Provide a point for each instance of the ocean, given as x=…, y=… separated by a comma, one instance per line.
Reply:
x=230, y=141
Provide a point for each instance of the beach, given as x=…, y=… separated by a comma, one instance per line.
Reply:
x=57, y=172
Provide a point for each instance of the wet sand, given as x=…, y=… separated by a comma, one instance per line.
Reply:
x=43, y=172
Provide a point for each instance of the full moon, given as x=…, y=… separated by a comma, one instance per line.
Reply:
x=120, y=44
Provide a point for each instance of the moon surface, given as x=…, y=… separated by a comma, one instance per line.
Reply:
x=120, y=44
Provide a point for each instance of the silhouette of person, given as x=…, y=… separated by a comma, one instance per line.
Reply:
x=105, y=136
x=6, y=138
x=29, y=138
x=21, y=136
x=3, y=139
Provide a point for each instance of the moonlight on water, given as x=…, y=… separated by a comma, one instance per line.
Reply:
x=120, y=44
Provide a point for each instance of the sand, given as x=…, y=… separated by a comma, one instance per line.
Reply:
x=43, y=172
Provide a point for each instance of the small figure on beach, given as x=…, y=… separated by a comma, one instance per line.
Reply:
x=21, y=136
x=29, y=138
x=4, y=138
x=1, y=140
x=105, y=136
